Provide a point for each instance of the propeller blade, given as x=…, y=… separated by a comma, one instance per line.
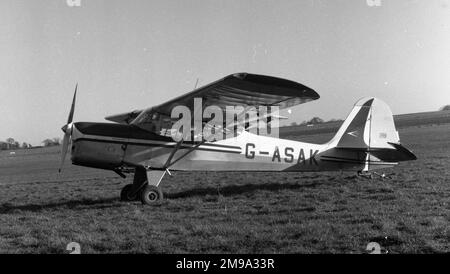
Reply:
x=72, y=108
x=67, y=129
x=65, y=145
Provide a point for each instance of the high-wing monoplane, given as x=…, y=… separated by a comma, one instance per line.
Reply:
x=142, y=142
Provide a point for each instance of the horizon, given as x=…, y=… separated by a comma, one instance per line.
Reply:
x=136, y=54
x=298, y=124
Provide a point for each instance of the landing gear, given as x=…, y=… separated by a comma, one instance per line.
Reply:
x=148, y=195
x=151, y=194
x=145, y=187
x=126, y=195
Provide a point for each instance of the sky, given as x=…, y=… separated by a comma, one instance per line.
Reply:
x=128, y=55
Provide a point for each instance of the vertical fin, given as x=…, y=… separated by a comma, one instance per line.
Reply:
x=352, y=133
x=370, y=124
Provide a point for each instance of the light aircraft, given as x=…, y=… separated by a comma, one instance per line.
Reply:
x=138, y=142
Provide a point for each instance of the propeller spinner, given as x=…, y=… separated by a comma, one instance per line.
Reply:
x=67, y=129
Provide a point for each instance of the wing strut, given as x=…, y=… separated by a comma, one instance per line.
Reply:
x=169, y=162
x=175, y=149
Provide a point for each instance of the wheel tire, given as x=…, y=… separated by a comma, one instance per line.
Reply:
x=150, y=195
x=125, y=194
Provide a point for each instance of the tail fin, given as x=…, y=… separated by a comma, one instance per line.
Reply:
x=370, y=124
x=370, y=127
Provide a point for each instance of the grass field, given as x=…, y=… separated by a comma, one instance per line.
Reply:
x=41, y=211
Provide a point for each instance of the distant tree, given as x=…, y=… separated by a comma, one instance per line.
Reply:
x=315, y=120
x=293, y=124
x=51, y=142
x=3, y=146
x=335, y=120
x=47, y=142
x=10, y=141
x=56, y=141
x=24, y=145
x=447, y=107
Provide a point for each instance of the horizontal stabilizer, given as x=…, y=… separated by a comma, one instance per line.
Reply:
x=397, y=153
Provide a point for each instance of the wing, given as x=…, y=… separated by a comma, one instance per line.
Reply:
x=242, y=89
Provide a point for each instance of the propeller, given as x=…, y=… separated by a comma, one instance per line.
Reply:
x=67, y=129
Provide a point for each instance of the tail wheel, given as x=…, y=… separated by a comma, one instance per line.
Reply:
x=151, y=195
x=125, y=194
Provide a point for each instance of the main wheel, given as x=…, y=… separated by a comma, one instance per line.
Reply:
x=125, y=194
x=151, y=195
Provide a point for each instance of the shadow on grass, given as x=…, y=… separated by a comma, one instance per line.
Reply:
x=111, y=202
x=239, y=189
x=9, y=208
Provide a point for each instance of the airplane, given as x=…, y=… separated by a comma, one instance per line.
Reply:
x=138, y=143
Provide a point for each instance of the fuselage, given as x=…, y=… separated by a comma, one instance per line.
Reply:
x=113, y=146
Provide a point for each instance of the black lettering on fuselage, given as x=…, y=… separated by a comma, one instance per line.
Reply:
x=251, y=154
x=276, y=154
x=301, y=157
x=312, y=157
x=289, y=156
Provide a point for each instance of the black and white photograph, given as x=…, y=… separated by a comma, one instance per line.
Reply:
x=228, y=133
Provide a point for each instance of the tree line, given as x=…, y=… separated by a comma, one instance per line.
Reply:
x=318, y=120
x=313, y=121
x=11, y=143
